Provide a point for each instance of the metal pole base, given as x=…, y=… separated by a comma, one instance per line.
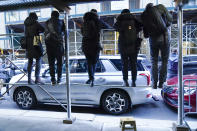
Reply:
x=176, y=127
x=69, y=121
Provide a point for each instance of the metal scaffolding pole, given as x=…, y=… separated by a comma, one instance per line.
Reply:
x=180, y=66
x=69, y=120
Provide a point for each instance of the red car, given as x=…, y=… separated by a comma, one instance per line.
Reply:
x=170, y=92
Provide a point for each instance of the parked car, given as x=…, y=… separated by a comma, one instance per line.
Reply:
x=189, y=65
x=170, y=93
x=108, y=91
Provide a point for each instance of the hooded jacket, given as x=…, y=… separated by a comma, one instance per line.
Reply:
x=32, y=28
x=169, y=19
x=117, y=27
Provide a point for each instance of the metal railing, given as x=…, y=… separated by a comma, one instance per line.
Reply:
x=190, y=94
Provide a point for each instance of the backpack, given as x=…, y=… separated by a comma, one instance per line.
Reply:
x=128, y=31
x=153, y=21
x=90, y=29
x=51, y=34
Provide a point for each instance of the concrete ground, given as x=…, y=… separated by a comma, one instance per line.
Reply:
x=25, y=120
x=34, y=120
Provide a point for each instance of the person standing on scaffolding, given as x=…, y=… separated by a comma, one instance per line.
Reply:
x=33, y=28
x=128, y=43
x=54, y=31
x=156, y=26
x=91, y=47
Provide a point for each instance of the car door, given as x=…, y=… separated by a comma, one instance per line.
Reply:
x=58, y=91
x=82, y=93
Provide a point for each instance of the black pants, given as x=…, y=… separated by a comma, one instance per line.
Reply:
x=164, y=48
x=91, y=63
x=30, y=66
x=52, y=57
x=129, y=61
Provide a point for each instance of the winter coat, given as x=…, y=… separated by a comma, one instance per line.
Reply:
x=32, y=28
x=54, y=43
x=117, y=27
x=169, y=19
x=93, y=45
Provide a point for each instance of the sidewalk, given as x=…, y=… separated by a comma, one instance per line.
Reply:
x=25, y=120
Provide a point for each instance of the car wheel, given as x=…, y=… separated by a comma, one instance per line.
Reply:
x=115, y=102
x=25, y=98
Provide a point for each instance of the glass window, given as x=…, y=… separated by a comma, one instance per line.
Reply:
x=80, y=66
x=23, y=15
x=81, y=8
x=45, y=13
x=73, y=10
x=118, y=64
x=119, y=5
x=13, y=15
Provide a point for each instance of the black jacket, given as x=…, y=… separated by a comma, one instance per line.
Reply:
x=93, y=44
x=164, y=12
x=58, y=28
x=32, y=28
x=117, y=27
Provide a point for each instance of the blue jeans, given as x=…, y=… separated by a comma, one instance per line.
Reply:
x=30, y=66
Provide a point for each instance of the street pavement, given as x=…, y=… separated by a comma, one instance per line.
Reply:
x=14, y=119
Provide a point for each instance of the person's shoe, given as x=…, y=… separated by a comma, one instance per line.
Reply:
x=59, y=81
x=125, y=83
x=91, y=83
x=38, y=81
x=30, y=82
x=133, y=84
x=154, y=86
x=160, y=84
x=53, y=83
x=88, y=81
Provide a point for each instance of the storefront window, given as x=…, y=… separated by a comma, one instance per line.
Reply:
x=119, y=5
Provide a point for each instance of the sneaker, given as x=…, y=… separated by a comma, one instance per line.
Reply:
x=125, y=83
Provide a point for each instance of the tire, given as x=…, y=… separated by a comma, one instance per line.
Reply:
x=115, y=102
x=25, y=98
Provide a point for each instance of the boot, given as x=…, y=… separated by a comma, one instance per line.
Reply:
x=53, y=81
x=30, y=82
x=92, y=83
x=38, y=81
x=59, y=80
x=154, y=86
x=160, y=84
x=125, y=83
x=88, y=81
x=133, y=84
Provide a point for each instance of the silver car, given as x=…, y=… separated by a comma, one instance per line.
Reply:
x=108, y=91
